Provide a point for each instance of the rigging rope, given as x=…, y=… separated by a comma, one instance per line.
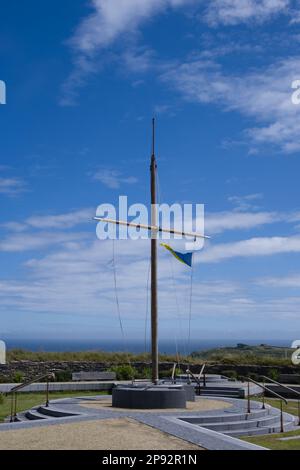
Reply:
x=117, y=296
x=190, y=309
x=178, y=314
x=118, y=305
x=147, y=305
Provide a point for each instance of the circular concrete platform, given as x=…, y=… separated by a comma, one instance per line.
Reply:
x=145, y=397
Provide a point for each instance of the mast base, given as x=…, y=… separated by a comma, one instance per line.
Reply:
x=149, y=396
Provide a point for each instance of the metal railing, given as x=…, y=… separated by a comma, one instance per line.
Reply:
x=196, y=379
x=287, y=388
x=282, y=399
x=202, y=373
x=14, y=393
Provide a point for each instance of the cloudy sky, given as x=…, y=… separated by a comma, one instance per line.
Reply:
x=83, y=80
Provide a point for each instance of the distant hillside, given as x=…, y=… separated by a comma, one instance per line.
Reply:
x=244, y=352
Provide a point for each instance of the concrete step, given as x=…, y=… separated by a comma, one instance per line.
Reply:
x=33, y=415
x=223, y=387
x=288, y=426
x=53, y=412
x=221, y=393
x=249, y=424
x=230, y=417
x=216, y=391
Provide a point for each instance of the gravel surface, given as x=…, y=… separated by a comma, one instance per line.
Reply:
x=110, y=434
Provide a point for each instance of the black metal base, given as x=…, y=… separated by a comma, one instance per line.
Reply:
x=149, y=397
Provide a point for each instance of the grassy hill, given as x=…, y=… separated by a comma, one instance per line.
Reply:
x=243, y=353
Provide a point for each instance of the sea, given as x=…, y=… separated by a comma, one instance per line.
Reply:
x=134, y=346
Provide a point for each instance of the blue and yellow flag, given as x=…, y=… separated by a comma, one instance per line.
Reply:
x=185, y=258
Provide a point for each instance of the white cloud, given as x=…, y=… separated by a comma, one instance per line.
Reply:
x=263, y=246
x=222, y=221
x=264, y=95
x=12, y=186
x=109, y=21
x=292, y=281
x=20, y=242
x=61, y=221
x=244, y=203
x=58, y=221
x=77, y=281
x=232, y=12
x=113, y=179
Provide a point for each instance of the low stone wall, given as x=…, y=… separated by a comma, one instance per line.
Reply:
x=29, y=370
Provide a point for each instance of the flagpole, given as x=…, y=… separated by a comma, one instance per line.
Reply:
x=154, y=319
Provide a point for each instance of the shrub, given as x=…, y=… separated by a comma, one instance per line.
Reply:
x=18, y=377
x=63, y=376
x=167, y=374
x=125, y=372
x=273, y=374
x=1, y=398
x=231, y=374
x=145, y=373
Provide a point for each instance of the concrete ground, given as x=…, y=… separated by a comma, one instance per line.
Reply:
x=110, y=434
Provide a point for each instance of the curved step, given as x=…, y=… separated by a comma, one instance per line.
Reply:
x=290, y=426
x=244, y=425
x=33, y=415
x=227, y=418
x=53, y=412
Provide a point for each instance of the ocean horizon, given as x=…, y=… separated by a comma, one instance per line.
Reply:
x=133, y=346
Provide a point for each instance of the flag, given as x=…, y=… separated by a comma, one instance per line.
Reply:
x=185, y=258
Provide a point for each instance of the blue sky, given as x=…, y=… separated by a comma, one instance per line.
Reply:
x=84, y=79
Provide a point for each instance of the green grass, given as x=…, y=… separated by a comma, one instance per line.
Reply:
x=271, y=441
x=29, y=400
x=85, y=356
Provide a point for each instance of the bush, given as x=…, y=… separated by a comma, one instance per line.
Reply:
x=125, y=372
x=1, y=398
x=145, y=373
x=273, y=374
x=231, y=374
x=63, y=376
x=167, y=374
x=18, y=377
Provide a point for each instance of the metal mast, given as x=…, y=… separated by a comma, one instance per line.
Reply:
x=154, y=319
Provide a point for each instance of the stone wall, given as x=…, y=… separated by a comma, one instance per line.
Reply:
x=29, y=370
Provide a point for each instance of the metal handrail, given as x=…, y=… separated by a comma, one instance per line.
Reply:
x=17, y=388
x=14, y=393
x=174, y=371
x=287, y=388
x=267, y=389
x=281, y=385
x=201, y=371
x=193, y=377
x=273, y=393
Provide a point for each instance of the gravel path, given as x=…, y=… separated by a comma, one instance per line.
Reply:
x=110, y=434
